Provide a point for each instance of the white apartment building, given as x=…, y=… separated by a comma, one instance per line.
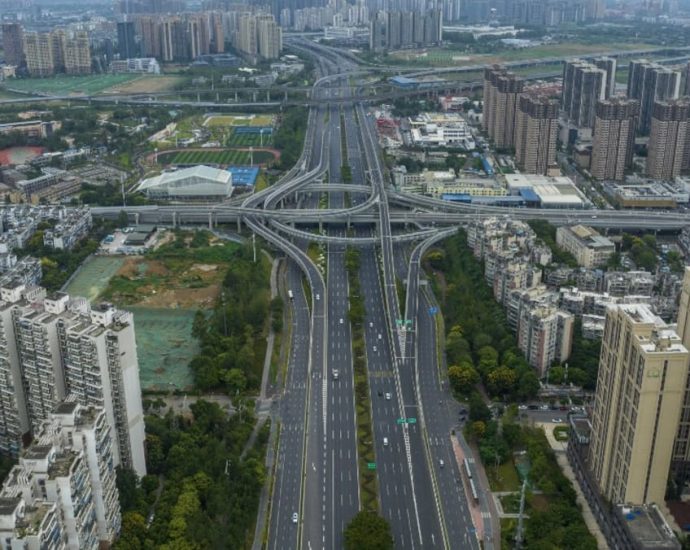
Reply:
x=52, y=347
x=588, y=247
x=545, y=335
x=69, y=465
x=32, y=525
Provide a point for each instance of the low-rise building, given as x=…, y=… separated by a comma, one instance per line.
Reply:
x=638, y=192
x=546, y=191
x=69, y=230
x=441, y=130
x=144, y=65
x=589, y=248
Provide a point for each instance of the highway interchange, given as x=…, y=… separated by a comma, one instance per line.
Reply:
x=316, y=486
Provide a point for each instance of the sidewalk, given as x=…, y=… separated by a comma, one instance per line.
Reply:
x=560, y=448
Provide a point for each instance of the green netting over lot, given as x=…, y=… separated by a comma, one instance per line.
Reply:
x=93, y=276
x=165, y=347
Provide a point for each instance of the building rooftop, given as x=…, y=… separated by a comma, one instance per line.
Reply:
x=8, y=505
x=647, y=527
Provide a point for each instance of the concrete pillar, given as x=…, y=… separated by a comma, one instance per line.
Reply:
x=239, y=223
x=235, y=96
x=217, y=97
x=198, y=97
x=136, y=218
x=210, y=220
x=253, y=97
x=320, y=225
x=268, y=96
x=285, y=97
x=174, y=215
x=348, y=222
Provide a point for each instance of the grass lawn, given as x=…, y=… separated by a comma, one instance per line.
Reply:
x=66, y=85
x=444, y=56
x=505, y=478
x=239, y=120
x=226, y=157
x=246, y=140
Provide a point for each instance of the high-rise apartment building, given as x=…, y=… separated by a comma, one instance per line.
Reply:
x=151, y=34
x=501, y=92
x=614, y=137
x=126, y=43
x=394, y=29
x=77, y=53
x=545, y=335
x=650, y=82
x=687, y=80
x=608, y=64
x=259, y=36
x=536, y=129
x=12, y=43
x=668, y=139
x=54, y=347
x=38, y=52
x=69, y=465
x=584, y=85
x=641, y=385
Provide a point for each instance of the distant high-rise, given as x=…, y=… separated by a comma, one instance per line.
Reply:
x=650, y=82
x=77, y=53
x=394, y=29
x=608, y=64
x=126, y=44
x=38, y=51
x=12, y=43
x=668, y=139
x=641, y=383
x=584, y=85
x=614, y=137
x=536, y=129
x=501, y=92
x=687, y=80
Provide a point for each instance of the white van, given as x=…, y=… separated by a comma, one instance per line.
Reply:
x=385, y=442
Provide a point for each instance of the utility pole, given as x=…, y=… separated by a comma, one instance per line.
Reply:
x=254, y=245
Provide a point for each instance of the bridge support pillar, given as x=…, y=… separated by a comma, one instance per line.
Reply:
x=285, y=97
x=348, y=222
x=268, y=96
x=239, y=223
x=253, y=97
x=210, y=220
x=136, y=218
x=217, y=97
x=198, y=97
x=235, y=96
x=174, y=219
x=320, y=226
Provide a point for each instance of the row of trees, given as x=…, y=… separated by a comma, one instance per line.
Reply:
x=200, y=491
x=232, y=336
x=290, y=136
x=479, y=343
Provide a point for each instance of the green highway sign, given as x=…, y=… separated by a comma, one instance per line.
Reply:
x=401, y=421
x=411, y=420
x=371, y=465
x=407, y=420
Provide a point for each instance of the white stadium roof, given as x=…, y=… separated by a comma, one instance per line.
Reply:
x=191, y=183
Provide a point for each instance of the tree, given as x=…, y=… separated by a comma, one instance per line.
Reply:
x=122, y=219
x=477, y=429
x=478, y=409
x=556, y=375
x=236, y=380
x=501, y=380
x=463, y=377
x=368, y=531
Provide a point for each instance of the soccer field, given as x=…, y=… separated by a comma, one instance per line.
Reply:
x=223, y=158
x=239, y=120
x=66, y=85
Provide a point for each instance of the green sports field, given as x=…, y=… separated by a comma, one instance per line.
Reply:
x=247, y=140
x=66, y=85
x=214, y=157
x=239, y=120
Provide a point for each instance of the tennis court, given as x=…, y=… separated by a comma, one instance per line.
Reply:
x=93, y=276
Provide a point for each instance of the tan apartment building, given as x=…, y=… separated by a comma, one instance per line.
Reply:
x=586, y=244
x=640, y=390
x=614, y=137
x=501, y=92
x=38, y=52
x=536, y=129
x=668, y=139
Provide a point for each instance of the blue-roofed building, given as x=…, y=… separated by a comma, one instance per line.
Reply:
x=403, y=82
x=531, y=198
x=243, y=176
x=456, y=197
x=487, y=167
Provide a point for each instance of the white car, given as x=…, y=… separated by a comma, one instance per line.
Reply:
x=294, y=517
x=341, y=320
x=371, y=325
x=374, y=348
x=380, y=337
x=557, y=420
x=388, y=396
